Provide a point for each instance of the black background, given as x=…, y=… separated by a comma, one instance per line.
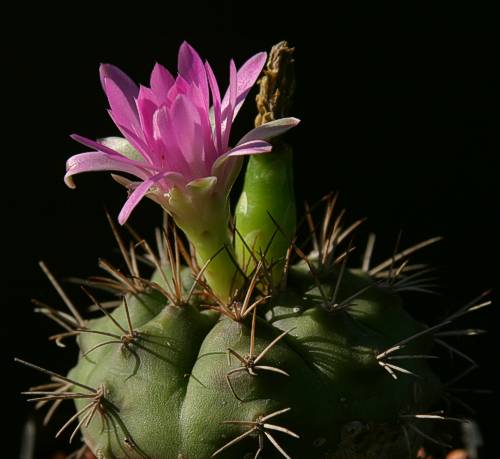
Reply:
x=399, y=109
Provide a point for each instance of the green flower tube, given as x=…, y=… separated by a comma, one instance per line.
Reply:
x=203, y=215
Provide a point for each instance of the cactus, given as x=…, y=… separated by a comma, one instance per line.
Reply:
x=252, y=349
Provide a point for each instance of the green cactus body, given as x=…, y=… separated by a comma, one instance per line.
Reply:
x=247, y=353
x=167, y=394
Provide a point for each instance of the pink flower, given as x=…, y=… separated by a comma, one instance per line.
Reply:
x=176, y=131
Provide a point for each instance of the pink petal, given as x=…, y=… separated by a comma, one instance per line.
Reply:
x=121, y=79
x=138, y=142
x=173, y=179
x=229, y=114
x=93, y=144
x=209, y=154
x=191, y=68
x=139, y=193
x=161, y=81
x=214, y=88
x=98, y=161
x=104, y=149
x=146, y=107
x=186, y=126
x=269, y=130
x=226, y=170
x=181, y=86
x=121, y=146
x=146, y=94
x=123, y=108
x=221, y=167
x=164, y=133
x=197, y=98
x=134, y=199
x=252, y=147
x=247, y=76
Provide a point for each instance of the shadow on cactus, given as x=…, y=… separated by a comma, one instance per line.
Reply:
x=241, y=341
